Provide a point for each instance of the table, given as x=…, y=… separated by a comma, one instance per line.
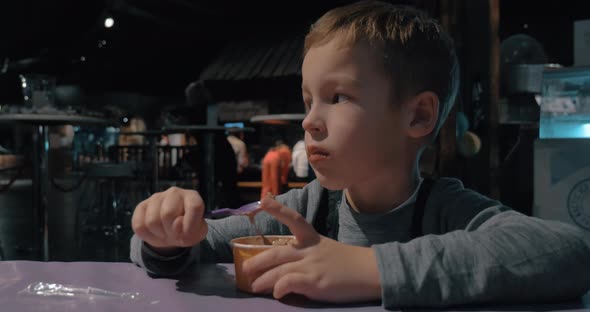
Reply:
x=40, y=178
x=211, y=288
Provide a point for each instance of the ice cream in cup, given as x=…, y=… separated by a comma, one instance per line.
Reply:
x=246, y=247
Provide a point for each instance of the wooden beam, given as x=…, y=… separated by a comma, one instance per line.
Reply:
x=447, y=140
x=494, y=97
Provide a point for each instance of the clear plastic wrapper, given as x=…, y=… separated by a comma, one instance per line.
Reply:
x=71, y=291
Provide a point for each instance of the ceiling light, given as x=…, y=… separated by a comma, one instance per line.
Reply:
x=109, y=22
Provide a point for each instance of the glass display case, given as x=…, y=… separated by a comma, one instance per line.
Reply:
x=565, y=104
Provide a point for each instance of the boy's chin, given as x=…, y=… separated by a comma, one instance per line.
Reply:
x=330, y=184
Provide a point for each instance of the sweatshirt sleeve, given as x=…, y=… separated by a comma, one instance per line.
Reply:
x=216, y=247
x=501, y=256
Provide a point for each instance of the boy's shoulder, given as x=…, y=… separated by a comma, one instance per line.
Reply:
x=450, y=206
x=449, y=188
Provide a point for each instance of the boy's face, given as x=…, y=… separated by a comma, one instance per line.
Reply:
x=354, y=133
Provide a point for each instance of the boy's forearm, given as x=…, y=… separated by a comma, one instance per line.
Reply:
x=492, y=264
x=161, y=264
x=166, y=251
x=215, y=248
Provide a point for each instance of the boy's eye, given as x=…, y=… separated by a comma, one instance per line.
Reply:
x=339, y=98
x=307, y=103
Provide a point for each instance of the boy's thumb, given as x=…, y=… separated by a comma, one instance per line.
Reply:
x=303, y=231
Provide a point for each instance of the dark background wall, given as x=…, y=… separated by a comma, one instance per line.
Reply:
x=157, y=47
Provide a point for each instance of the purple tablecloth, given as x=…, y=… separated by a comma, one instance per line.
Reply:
x=211, y=288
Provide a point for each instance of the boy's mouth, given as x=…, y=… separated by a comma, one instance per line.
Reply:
x=315, y=154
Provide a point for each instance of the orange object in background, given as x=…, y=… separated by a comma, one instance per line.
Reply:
x=285, y=157
x=275, y=169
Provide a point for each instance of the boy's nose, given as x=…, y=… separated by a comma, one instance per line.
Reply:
x=312, y=124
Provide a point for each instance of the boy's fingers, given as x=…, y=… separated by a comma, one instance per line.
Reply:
x=194, y=227
x=169, y=210
x=296, y=223
x=138, y=217
x=193, y=212
x=271, y=258
x=152, y=220
x=140, y=227
x=298, y=283
x=268, y=279
x=177, y=226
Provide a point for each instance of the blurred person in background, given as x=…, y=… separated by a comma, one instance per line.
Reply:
x=300, y=163
x=235, y=137
x=275, y=169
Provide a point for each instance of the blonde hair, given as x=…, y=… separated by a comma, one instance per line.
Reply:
x=418, y=55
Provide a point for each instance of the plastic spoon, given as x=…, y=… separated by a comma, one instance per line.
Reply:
x=249, y=210
x=242, y=211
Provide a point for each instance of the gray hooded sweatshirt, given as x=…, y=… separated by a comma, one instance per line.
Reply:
x=473, y=250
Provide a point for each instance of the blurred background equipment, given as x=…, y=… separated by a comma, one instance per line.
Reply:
x=522, y=63
x=562, y=165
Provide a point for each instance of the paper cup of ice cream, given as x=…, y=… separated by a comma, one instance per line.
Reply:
x=247, y=247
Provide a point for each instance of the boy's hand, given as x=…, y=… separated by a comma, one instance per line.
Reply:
x=170, y=219
x=315, y=266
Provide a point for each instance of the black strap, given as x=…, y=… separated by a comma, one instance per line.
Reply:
x=421, y=198
x=320, y=222
x=326, y=220
x=334, y=200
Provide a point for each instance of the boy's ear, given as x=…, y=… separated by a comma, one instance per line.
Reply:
x=422, y=113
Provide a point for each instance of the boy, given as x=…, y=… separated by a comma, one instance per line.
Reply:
x=371, y=69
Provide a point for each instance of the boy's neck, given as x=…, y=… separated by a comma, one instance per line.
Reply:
x=382, y=196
